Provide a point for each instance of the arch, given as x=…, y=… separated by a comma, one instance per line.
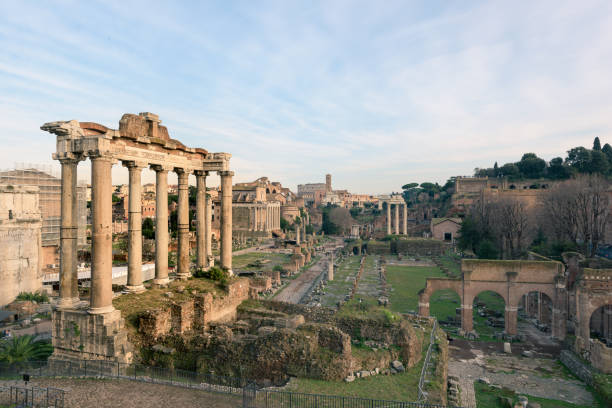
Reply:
x=538, y=305
x=446, y=315
x=600, y=324
x=267, y=191
x=434, y=284
x=486, y=319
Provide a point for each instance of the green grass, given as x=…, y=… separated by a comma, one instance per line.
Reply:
x=442, y=304
x=494, y=302
x=399, y=387
x=406, y=282
x=487, y=397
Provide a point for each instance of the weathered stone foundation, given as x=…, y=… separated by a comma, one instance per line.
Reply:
x=78, y=335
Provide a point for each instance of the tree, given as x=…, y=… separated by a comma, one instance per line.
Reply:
x=284, y=224
x=531, y=166
x=409, y=186
x=599, y=162
x=148, y=228
x=596, y=144
x=578, y=211
x=496, y=169
x=24, y=348
x=557, y=170
x=512, y=223
x=509, y=170
x=579, y=158
x=607, y=150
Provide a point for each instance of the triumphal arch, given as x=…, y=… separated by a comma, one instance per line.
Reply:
x=94, y=331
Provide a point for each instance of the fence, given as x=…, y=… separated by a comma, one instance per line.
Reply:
x=286, y=399
x=252, y=396
x=422, y=396
x=31, y=397
x=134, y=372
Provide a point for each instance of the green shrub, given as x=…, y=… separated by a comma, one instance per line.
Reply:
x=38, y=297
x=214, y=273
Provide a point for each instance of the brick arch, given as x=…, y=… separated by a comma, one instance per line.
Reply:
x=476, y=288
x=518, y=292
x=433, y=285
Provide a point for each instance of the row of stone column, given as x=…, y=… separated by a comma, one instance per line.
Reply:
x=101, y=206
x=397, y=225
x=265, y=218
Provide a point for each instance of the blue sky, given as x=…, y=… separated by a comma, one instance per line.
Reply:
x=376, y=93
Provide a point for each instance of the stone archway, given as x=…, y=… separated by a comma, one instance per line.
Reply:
x=490, y=307
x=511, y=280
x=600, y=324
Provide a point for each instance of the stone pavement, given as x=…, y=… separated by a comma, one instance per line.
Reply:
x=517, y=373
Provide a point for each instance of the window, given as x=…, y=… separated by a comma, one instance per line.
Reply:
x=448, y=236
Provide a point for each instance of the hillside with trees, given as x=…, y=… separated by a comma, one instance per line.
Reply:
x=579, y=160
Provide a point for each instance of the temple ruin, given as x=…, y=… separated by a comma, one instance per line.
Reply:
x=139, y=142
x=397, y=201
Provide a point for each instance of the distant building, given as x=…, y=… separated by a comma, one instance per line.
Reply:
x=445, y=229
x=20, y=241
x=49, y=188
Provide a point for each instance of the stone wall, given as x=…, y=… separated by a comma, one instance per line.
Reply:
x=78, y=335
x=20, y=242
x=194, y=314
x=601, y=356
x=576, y=366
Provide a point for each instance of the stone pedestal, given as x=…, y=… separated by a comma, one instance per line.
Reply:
x=510, y=320
x=78, y=335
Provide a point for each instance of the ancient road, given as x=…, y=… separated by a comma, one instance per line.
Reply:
x=297, y=288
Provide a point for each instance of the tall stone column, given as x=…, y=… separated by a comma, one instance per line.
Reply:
x=202, y=256
x=467, y=318
x=207, y=230
x=183, y=224
x=102, y=236
x=226, y=220
x=161, y=225
x=388, y=218
x=510, y=320
x=405, y=231
x=69, y=291
x=134, y=278
x=396, y=227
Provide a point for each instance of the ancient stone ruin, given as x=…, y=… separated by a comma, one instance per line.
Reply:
x=94, y=331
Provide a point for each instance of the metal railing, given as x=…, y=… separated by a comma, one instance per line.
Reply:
x=286, y=399
x=134, y=372
x=31, y=397
x=422, y=396
x=252, y=395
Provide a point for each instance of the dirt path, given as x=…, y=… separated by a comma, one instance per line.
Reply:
x=297, y=288
x=131, y=394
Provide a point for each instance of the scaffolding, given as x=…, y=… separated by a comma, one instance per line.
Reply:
x=47, y=179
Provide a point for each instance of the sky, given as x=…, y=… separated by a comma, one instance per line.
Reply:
x=376, y=93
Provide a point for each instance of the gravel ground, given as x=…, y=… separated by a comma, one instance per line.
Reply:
x=131, y=394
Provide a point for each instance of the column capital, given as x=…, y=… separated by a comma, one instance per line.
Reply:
x=131, y=164
x=97, y=155
x=201, y=173
x=70, y=158
x=182, y=170
x=226, y=173
x=160, y=167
